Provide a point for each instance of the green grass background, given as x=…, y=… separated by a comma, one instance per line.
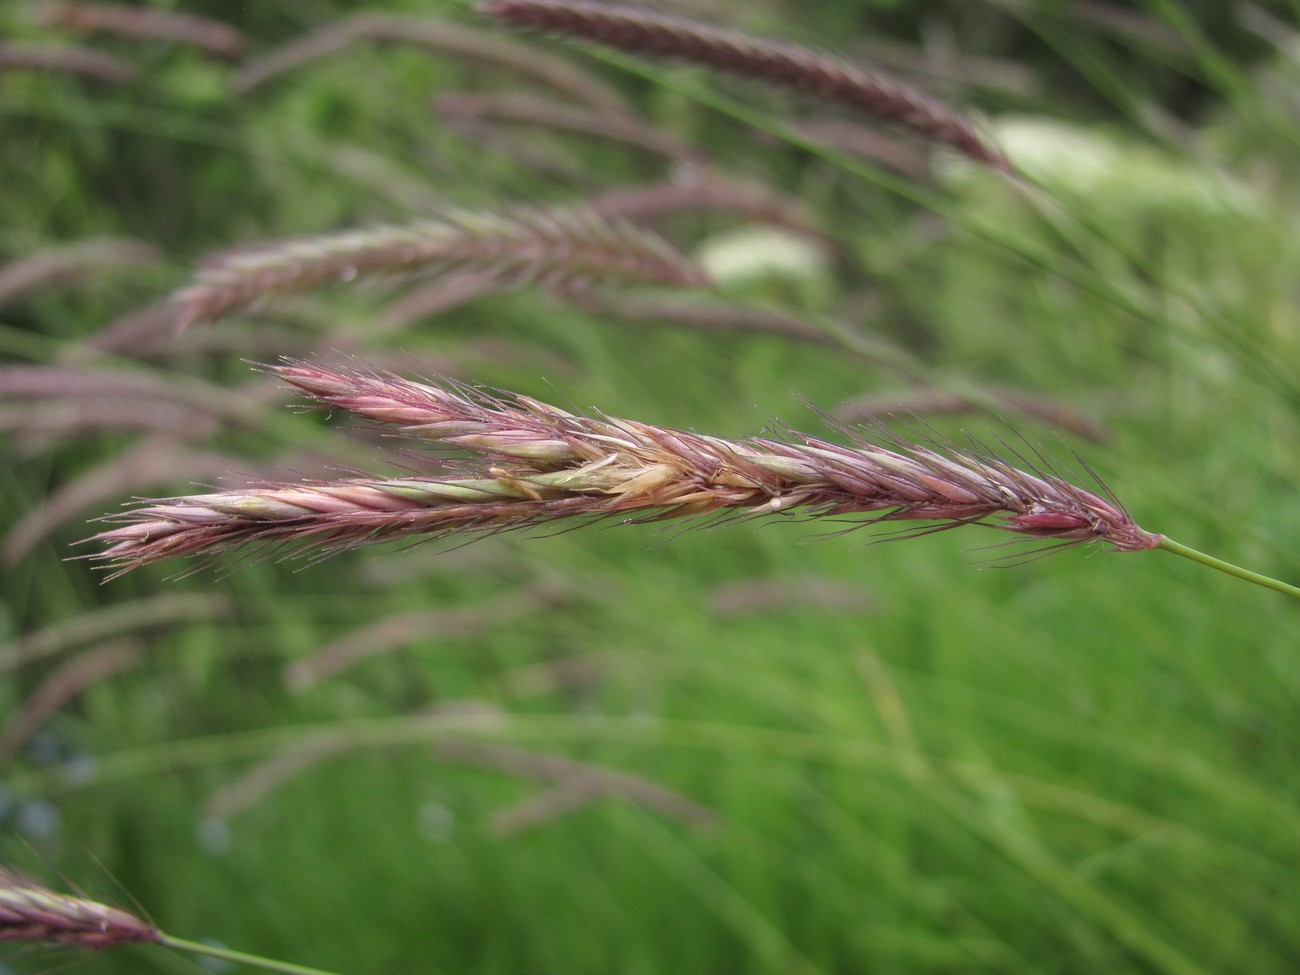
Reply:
x=1083, y=764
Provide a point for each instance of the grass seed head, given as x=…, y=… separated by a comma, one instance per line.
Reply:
x=641, y=31
x=553, y=247
x=29, y=912
x=541, y=464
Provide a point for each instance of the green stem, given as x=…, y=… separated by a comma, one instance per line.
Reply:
x=1268, y=582
x=239, y=957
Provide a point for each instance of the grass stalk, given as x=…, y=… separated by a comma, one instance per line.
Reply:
x=239, y=957
x=1259, y=579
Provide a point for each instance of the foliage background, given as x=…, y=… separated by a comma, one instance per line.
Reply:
x=895, y=761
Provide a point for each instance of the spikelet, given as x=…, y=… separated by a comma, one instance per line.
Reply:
x=71, y=262
x=440, y=36
x=553, y=246
x=646, y=32
x=543, y=464
x=29, y=912
x=142, y=23
x=67, y=58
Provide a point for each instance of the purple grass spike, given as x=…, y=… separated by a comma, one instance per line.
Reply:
x=29, y=912
x=549, y=246
x=638, y=30
x=539, y=464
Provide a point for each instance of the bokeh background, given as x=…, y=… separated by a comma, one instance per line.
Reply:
x=747, y=748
